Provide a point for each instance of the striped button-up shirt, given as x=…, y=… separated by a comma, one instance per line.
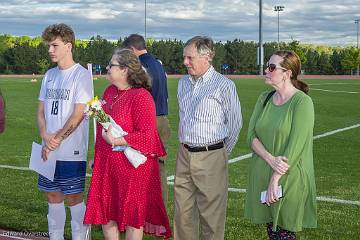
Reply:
x=209, y=110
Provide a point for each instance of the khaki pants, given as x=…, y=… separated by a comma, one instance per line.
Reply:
x=200, y=194
x=163, y=127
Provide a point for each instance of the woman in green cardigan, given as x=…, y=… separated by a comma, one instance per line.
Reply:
x=281, y=137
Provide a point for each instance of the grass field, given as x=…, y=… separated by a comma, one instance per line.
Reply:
x=336, y=156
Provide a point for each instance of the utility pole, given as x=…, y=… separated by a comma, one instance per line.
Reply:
x=145, y=21
x=357, y=42
x=279, y=9
x=260, y=51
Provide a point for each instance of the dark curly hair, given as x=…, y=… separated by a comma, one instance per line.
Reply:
x=137, y=77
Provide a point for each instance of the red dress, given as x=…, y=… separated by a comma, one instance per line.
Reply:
x=118, y=191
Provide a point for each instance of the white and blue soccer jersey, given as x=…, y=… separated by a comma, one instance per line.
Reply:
x=60, y=91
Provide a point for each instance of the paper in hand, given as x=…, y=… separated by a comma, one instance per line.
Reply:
x=279, y=194
x=45, y=168
x=135, y=157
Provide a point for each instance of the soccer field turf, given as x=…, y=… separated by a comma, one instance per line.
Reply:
x=336, y=158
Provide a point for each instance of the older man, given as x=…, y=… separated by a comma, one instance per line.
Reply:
x=210, y=122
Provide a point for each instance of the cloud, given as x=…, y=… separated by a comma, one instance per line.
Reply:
x=309, y=21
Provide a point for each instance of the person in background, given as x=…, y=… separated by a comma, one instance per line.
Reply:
x=65, y=90
x=159, y=92
x=281, y=136
x=2, y=113
x=121, y=197
x=210, y=122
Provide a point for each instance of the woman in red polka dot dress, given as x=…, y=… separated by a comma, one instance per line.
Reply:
x=121, y=197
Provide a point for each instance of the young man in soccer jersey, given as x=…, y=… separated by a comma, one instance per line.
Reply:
x=65, y=89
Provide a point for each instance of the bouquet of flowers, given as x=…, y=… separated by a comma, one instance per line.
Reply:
x=94, y=109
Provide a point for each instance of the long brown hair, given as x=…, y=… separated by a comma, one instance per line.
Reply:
x=291, y=61
x=137, y=77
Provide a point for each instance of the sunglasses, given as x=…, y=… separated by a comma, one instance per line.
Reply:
x=272, y=67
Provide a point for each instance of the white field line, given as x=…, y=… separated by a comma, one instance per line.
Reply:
x=334, y=91
x=315, y=137
x=320, y=198
x=335, y=200
x=234, y=160
x=240, y=190
x=25, y=168
x=14, y=167
x=336, y=131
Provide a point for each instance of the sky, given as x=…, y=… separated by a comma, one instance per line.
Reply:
x=329, y=22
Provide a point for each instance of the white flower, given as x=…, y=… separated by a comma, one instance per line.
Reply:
x=96, y=105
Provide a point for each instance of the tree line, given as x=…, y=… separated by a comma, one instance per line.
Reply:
x=26, y=55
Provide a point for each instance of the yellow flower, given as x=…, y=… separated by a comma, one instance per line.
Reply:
x=95, y=99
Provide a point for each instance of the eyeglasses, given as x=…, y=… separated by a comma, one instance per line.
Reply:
x=272, y=67
x=110, y=65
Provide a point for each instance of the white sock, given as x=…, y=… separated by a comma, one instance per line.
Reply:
x=56, y=220
x=78, y=229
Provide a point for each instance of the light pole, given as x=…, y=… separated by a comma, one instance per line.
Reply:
x=279, y=9
x=145, y=21
x=357, y=41
x=260, y=52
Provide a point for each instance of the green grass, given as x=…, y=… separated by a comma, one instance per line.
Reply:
x=337, y=166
